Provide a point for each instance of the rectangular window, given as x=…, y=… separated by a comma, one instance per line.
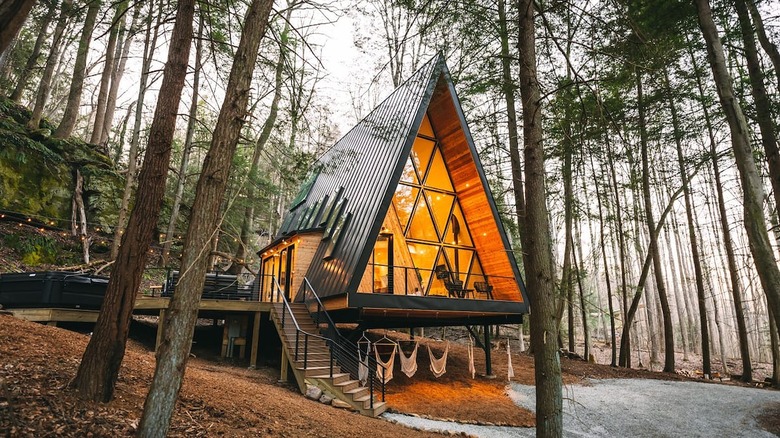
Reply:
x=338, y=231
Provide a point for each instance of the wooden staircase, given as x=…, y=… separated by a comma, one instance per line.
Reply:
x=314, y=361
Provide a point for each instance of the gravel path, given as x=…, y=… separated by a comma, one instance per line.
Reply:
x=636, y=408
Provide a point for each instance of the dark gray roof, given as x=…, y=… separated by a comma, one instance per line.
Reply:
x=364, y=162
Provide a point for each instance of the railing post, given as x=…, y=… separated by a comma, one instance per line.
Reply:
x=305, y=350
x=297, y=342
x=331, y=358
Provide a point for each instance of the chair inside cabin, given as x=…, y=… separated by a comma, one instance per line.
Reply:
x=483, y=287
x=454, y=287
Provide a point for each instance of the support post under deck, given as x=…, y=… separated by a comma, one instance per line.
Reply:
x=285, y=365
x=488, y=364
x=160, y=323
x=255, y=341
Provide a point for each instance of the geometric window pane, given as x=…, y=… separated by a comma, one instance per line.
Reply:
x=423, y=257
x=441, y=204
x=409, y=175
x=460, y=259
x=476, y=273
x=438, y=176
x=421, y=154
x=457, y=232
x=421, y=227
x=404, y=202
x=425, y=127
x=437, y=284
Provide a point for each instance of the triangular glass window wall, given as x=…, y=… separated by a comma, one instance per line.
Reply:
x=435, y=230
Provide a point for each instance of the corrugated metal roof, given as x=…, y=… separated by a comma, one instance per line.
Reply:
x=365, y=162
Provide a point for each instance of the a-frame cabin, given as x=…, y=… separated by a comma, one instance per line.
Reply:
x=396, y=226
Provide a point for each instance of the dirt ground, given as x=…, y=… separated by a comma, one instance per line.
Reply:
x=220, y=399
x=37, y=362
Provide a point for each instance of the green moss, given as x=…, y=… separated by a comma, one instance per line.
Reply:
x=37, y=171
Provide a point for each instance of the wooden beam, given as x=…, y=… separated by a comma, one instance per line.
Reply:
x=285, y=365
x=59, y=315
x=255, y=341
x=156, y=303
x=160, y=324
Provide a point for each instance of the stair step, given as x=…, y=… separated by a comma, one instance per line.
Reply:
x=358, y=392
x=317, y=371
x=348, y=385
x=337, y=377
x=379, y=408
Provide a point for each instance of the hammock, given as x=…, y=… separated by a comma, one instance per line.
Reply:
x=439, y=366
x=472, y=369
x=510, y=373
x=388, y=366
x=409, y=364
x=363, y=364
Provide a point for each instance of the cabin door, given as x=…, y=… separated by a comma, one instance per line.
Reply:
x=285, y=274
x=383, y=264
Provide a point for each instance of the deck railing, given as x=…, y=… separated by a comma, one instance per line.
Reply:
x=345, y=351
x=407, y=280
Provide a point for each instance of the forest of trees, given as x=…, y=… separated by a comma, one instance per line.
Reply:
x=634, y=152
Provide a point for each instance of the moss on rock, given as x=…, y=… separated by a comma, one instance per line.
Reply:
x=37, y=172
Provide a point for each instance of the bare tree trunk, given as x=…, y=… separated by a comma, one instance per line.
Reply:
x=97, y=374
x=603, y=243
x=583, y=304
x=766, y=125
x=567, y=289
x=247, y=224
x=44, y=87
x=139, y=105
x=752, y=187
x=508, y=88
x=185, y=156
x=108, y=69
x=79, y=72
x=183, y=310
x=775, y=345
x=120, y=61
x=539, y=271
x=769, y=47
x=24, y=75
x=79, y=215
x=13, y=14
x=653, y=248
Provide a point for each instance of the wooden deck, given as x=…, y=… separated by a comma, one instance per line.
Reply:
x=156, y=306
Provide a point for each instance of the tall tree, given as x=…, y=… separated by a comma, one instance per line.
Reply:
x=13, y=14
x=150, y=42
x=44, y=87
x=247, y=224
x=79, y=72
x=32, y=60
x=186, y=148
x=125, y=38
x=537, y=246
x=766, y=124
x=108, y=71
x=769, y=47
x=183, y=310
x=752, y=187
x=97, y=373
x=653, y=247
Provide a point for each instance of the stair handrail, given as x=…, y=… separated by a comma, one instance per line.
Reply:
x=338, y=353
x=299, y=330
x=339, y=340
